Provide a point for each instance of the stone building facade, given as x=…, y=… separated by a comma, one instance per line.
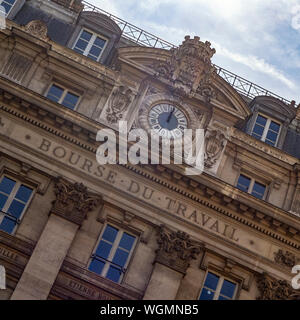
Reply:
x=73, y=229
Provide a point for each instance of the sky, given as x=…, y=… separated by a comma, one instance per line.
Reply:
x=257, y=39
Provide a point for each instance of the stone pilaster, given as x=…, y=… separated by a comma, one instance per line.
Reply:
x=70, y=208
x=173, y=257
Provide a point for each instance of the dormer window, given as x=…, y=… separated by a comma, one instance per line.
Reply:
x=266, y=129
x=90, y=44
x=7, y=5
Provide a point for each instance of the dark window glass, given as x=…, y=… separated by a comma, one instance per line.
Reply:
x=3, y=199
x=127, y=241
x=228, y=289
x=211, y=281
x=243, y=183
x=258, y=130
x=114, y=274
x=223, y=298
x=120, y=257
x=274, y=126
x=86, y=35
x=7, y=185
x=70, y=100
x=99, y=42
x=55, y=93
x=96, y=266
x=258, y=190
x=16, y=208
x=103, y=249
x=24, y=193
x=207, y=294
x=261, y=120
x=7, y=225
x=110, y=233
x=7, y=4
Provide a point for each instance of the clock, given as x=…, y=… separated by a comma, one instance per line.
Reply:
x=167, y=120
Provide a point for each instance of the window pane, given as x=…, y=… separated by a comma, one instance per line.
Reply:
x=96, y=266
x=274, y=126
x=258, y=130
x=81, y=44
x=7, y=225
x=243, y=183
x=95, y=51
x=228, y=289
x=9, y=1
x=70, y=100
x=3, y=199
x=113, y=274
x=258, y=190
x=79, y=50
x=206, y=294
x=16, y=208
x=86, y=35
x=103, y=249
x=211, y=281
x=99, y=42
x=7, y=185
x=261, y=120
x=127, y=241
x=24, y=193
x=272, y=136
x=120, y=257
x=55, y=93
x=110, y=233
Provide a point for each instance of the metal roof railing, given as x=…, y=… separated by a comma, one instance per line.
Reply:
x=144, y=38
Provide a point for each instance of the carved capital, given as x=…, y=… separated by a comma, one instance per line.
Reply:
x=176, y=249
x=273, y=289
x=285, y=258
x=73, y=201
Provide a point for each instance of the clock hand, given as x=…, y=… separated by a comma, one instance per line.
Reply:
x=170, y=115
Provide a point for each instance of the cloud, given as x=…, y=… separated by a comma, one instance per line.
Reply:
x=259, y=40
x=256, y=64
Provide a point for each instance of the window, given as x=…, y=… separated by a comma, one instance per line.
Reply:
x=14, y=199
x=90, y=44
x=251, y=186
x=266, y=130
x=63, y=96
x=217, y=288
x=7, y=4
x=112, y=253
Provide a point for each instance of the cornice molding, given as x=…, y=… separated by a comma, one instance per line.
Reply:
x=251, y=218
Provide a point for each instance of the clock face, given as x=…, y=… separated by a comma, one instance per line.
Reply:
x=167, y=120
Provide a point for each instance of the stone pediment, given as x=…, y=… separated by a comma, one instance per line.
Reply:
x=188, y=71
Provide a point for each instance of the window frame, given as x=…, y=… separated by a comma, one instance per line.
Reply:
x=221, y=280
x=90, y=43
x=10, y=199
x=11, y=8
x=108, y=261
x=251, y=185
x=65, y=92
x=267, y=128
